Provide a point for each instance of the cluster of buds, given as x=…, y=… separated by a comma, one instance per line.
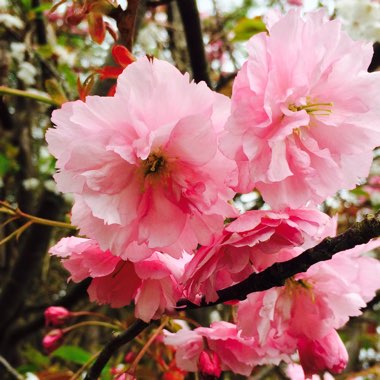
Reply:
x=55, y=316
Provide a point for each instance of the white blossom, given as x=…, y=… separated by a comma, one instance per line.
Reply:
x=64, y=55
x=18, y=51
x=30, y=183
x=360, y=18
x=27, y=73
x=10, y=21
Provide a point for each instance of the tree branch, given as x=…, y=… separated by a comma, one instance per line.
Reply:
x=277, y=274
x=126, y=23
x=112, y=346
x=194, y=39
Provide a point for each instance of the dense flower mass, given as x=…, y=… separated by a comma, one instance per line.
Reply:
x=304, y=120
x=251, y=243
x=324, y=297
x=153, y=195
x=148, y=174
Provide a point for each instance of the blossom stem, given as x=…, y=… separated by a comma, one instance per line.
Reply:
x=91, y=323
x=16, y=233
x=147, y=344
x=46, y=222
x=93, y=314
x=6, y=208
x=25, y=94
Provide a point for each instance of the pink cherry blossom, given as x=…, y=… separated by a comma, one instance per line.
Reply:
x=236, y=353
x=295, y=2
x=328, y=353
x=148, y=173
x=304, y=120
x=152, y=283
x=254, y=241
x=189, y=345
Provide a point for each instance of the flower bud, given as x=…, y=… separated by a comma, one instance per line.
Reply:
x=129, y=357
x=52, y=340
x=328, y=353
x=209, y=363
x=56, y=315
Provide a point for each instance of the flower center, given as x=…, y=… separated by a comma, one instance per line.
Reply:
x=154, y=164
x=313, y=108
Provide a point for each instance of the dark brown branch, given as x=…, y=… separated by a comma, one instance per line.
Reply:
x=40, y=24
x=194, y=39
x=156, y=3
x=113, y=345
x=375, y=62
x=126, y=23
x=277, y=274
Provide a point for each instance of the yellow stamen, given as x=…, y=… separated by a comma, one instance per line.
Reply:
x=324, y=109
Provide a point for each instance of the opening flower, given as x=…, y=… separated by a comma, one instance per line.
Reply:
x=304, y=120
x=148, y=173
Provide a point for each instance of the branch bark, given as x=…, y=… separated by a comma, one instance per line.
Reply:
x=112, y=346
x=194, y=39
x=126, y=23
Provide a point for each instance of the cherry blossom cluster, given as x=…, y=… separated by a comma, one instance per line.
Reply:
x=154, y=170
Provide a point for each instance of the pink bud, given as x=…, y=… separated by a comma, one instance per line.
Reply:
x=52, y=340
x=129, y=357
x=209, y=363
x=328, y=353
x=295, y=2
x=56, y=315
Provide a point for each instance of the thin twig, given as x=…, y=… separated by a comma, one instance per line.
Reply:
x=112, y=346
x=10, y=369
x=25, y=94
x=147, y=344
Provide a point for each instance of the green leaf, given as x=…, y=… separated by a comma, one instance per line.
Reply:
x=359, y=191
x=27, y=368
x=27, y=4
x=5, y=165
x=247, y=27
x=41, y=8
x=35, y=357
x=72, y=354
